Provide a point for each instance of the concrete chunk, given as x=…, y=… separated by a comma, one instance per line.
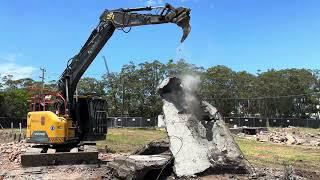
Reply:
x=199, y=139
x=73, y=150
x=139, y=166
x=51, y=151
x=31, y=150
x=90, y=148
x=290, y=139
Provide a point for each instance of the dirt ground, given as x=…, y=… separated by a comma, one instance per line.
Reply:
x=258, y=153
x=10, y=167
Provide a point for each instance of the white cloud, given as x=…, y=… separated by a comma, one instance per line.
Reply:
x=8, y=66
x=16, y=70
x=10, y=57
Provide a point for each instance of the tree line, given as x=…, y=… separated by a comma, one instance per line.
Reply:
x=133, y=90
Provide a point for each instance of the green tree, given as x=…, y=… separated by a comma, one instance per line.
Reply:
x=14, y=103
x=218, y=86
x=88, y=85
x=112, y=85
x=245, y=87
x=151, y=74
x=300, y=83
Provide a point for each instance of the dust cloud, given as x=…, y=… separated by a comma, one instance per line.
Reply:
x=191, y=85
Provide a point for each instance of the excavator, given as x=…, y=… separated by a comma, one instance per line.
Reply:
x=63, y=119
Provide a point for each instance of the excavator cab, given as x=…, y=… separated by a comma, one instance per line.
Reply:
x=47, y=123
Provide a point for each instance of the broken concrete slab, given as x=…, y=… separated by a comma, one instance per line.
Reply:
x=290, y=139
x=314, y=143
x=32, y=150
x=51, y=151
x=33, y=170
x=90, y=148
x=199, y=139
x=74, y=150
x=300, y=141
x=139, y=166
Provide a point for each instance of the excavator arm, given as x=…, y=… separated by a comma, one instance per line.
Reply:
x=122, y=18
x=110, y=20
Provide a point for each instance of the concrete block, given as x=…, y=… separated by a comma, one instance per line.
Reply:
x=199, y=139
x=51, y=151
x=73, y=150
x=139, y=166
x=90, y=148
x=31, y=150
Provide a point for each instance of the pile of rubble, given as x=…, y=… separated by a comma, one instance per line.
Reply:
x=106, y=157
x=286, y=136
x=11, y=151
x=293, y=139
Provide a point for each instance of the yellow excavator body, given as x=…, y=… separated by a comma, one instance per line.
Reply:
x=45, y=127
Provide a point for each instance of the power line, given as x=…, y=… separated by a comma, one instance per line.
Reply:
x=47, y=72
x=264, y=97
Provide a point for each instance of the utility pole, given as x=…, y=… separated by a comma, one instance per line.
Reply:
x=105, y=63
x=123, y=91
x=42, y=78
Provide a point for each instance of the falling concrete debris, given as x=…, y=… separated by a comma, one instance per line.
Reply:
x=199, y=139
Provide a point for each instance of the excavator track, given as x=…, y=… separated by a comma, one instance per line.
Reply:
x=44, y=156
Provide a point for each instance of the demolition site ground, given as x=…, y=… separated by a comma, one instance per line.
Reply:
x=268, y=158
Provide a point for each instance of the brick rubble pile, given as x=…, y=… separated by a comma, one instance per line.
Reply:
x=11, y=151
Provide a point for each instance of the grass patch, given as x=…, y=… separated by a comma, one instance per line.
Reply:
x=128, y=140
x=269, y=154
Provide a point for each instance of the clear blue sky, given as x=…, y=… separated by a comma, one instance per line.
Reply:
x=244, y=35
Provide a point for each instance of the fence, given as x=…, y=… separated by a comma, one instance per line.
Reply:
x=131, y=122
x=5, y=122
x=272, y=122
